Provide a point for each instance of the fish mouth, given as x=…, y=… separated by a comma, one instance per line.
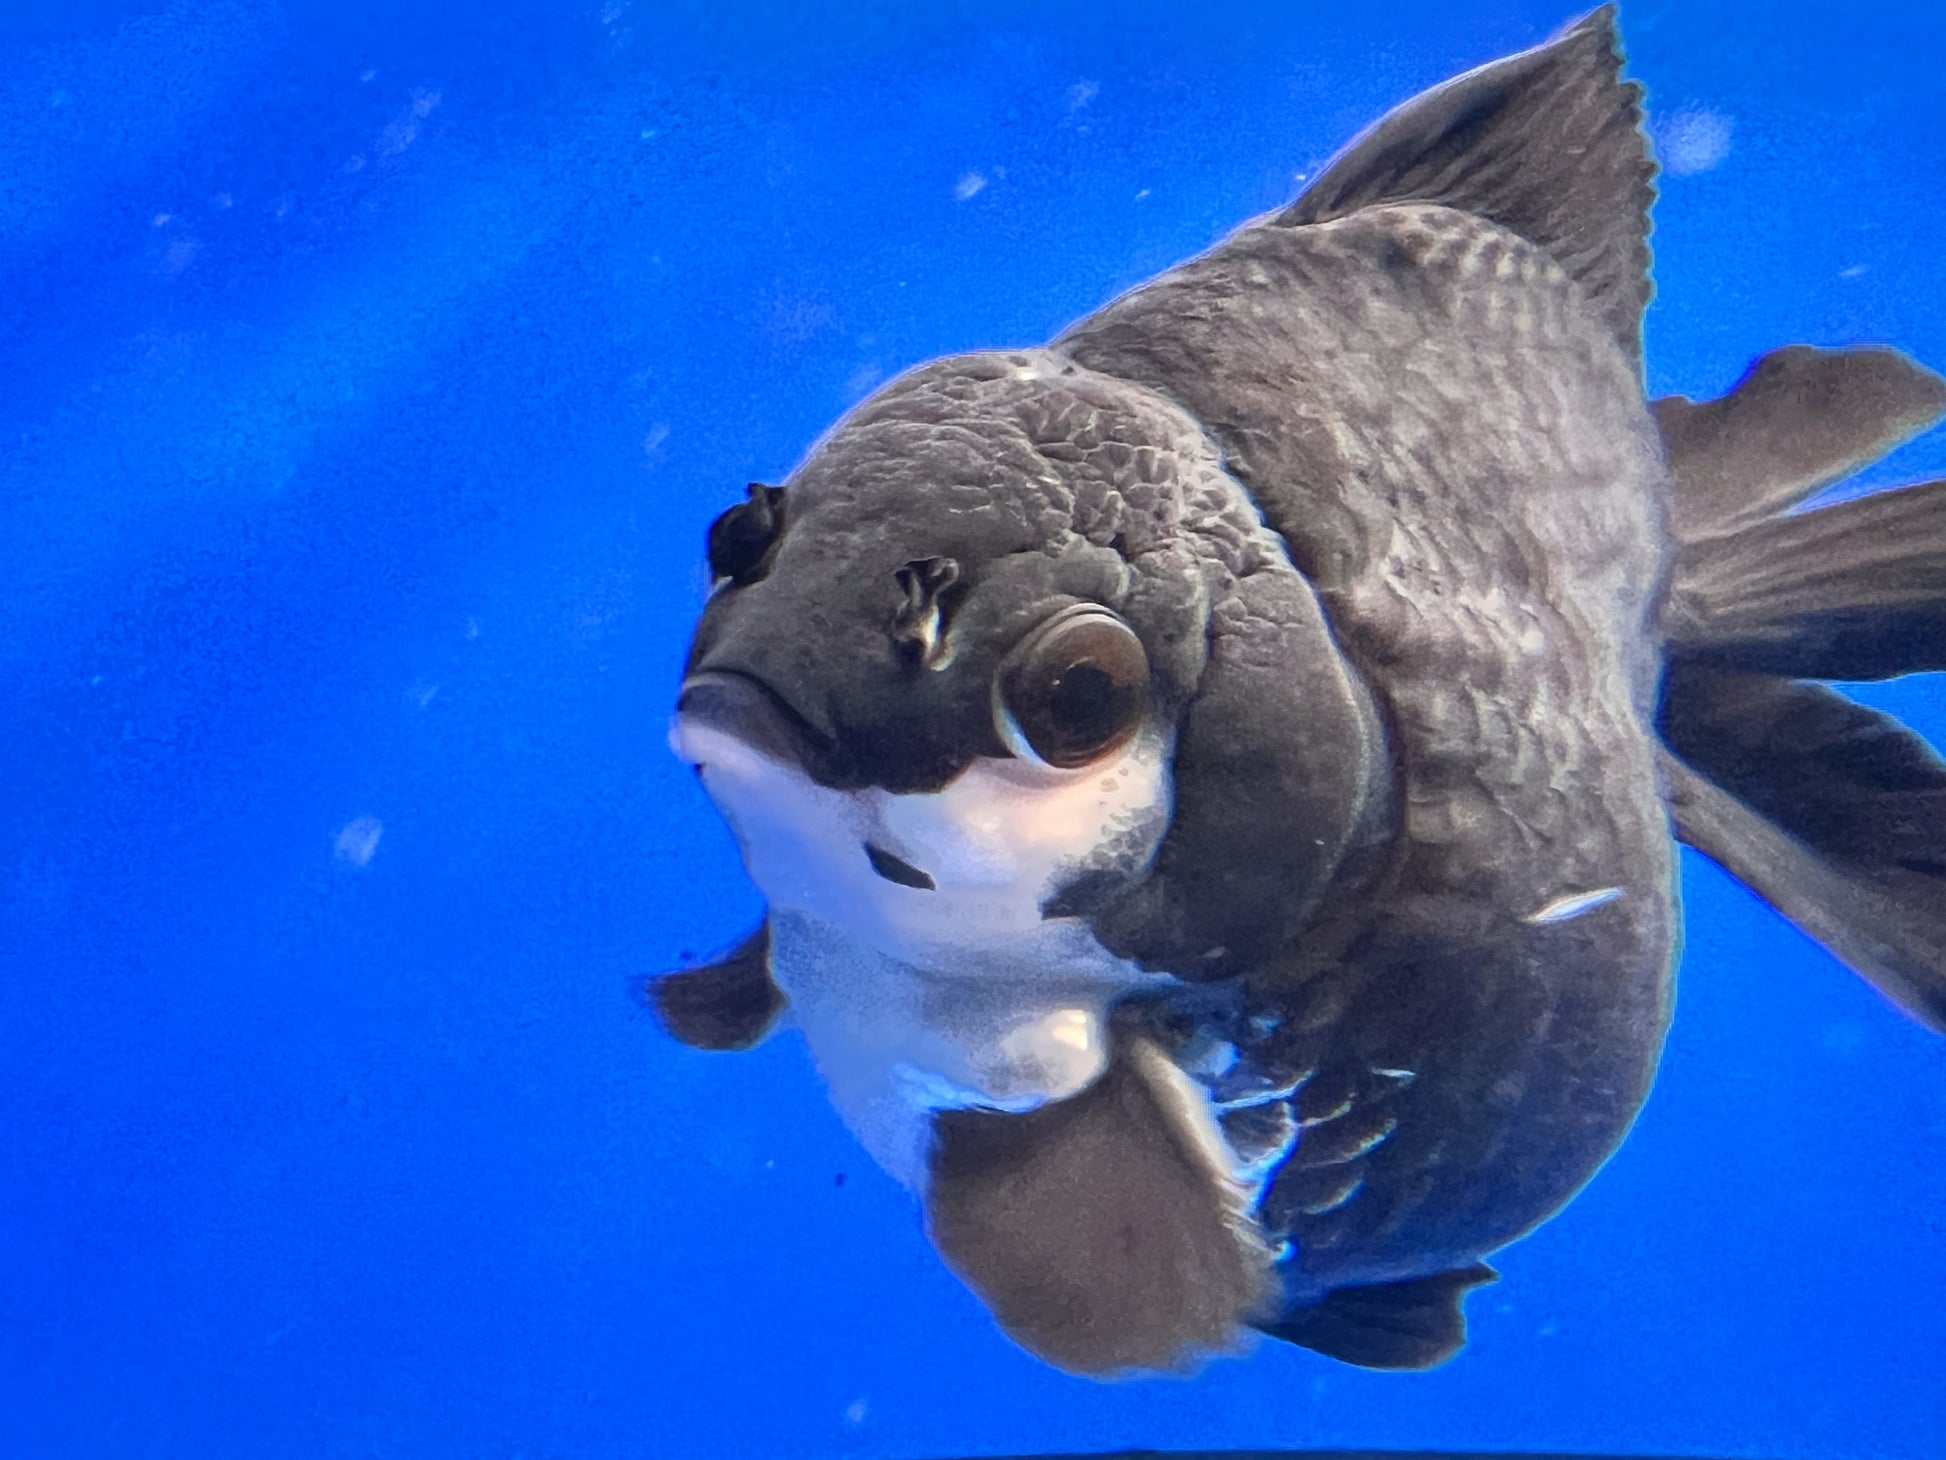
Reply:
x=724, y=716
x=749, y=711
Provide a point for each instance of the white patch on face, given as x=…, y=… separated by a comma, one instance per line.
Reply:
x=917, y=999
x=997, y=842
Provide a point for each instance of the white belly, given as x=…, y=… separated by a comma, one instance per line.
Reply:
x=915, y=999
x=896, y=1043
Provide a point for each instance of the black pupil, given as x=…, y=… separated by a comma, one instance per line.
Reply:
x=1084, y=704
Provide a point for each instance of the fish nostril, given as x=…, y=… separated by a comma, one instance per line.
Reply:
x=897, y=869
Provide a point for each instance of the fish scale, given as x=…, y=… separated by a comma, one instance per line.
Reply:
x=1275, y=1112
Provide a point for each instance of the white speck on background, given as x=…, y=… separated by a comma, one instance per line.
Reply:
x=658, y=433
x=159, y=220
x=404, y=130
x=1853, y=272
x=1081, y=93
x=1693, y=141
x=855, y=1412
x=968, y=185
x=358, y=842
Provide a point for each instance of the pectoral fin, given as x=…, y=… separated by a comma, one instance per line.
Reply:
x=729, y=1004
x=1101, y=1230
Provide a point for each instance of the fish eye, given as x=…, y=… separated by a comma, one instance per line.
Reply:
x=1073, y=689
x=744, y=539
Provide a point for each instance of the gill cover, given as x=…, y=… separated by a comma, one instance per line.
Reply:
x=1280, y=771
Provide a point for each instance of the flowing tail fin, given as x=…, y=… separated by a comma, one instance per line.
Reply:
x=1832, y=812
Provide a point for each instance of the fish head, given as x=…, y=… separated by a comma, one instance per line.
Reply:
x=1007, y=693
x=935, y=689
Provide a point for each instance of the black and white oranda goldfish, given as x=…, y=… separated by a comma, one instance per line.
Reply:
x=1216, y=778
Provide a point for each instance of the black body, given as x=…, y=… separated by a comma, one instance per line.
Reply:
x=1448, y=618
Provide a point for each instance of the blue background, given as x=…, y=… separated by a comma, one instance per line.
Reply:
x=368, y=374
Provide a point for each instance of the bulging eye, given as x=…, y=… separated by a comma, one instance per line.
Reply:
x=744, y=539
x=1074, y=689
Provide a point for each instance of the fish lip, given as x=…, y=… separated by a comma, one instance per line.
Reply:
x=747, y=709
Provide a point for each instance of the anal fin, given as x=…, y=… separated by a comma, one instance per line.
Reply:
x=1405, y=1325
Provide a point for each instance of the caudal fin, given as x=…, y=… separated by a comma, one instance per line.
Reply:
x=1832, y=812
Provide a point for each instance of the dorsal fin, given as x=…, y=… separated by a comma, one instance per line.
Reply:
x=1547, y=143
